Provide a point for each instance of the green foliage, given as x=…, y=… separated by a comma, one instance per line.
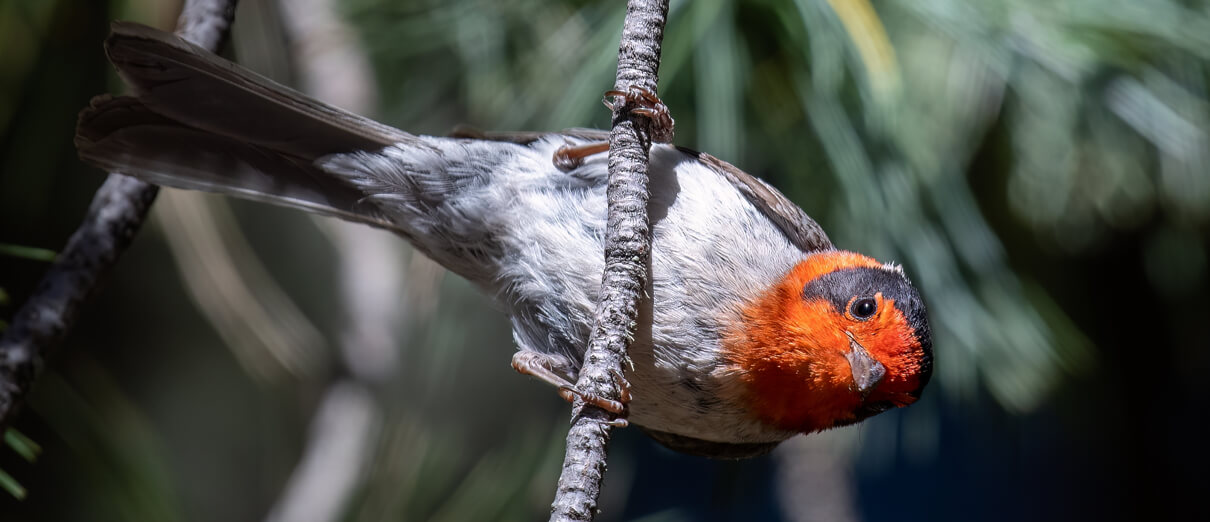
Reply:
x=26, y=252
x=22, y=445
x=10, y=485
x=28, y=450
x=114, y=448
x=23, y=25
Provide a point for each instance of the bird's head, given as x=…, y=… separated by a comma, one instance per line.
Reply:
x=839, y=338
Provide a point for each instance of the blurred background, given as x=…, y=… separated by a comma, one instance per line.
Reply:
x=1040, y=167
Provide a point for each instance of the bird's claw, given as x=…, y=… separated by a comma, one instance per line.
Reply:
x=648, y=105
x=570, y=394
x=570, y=157
x=618, y=407
x=543, y=367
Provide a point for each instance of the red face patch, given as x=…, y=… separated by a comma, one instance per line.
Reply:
x=790, y=350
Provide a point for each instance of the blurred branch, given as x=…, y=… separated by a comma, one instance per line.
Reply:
x=264, y=328
x=115, y=215
x=332, y=66
x=627, y=260
x=339, y=446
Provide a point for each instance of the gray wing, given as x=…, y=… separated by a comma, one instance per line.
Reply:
x=798, y=227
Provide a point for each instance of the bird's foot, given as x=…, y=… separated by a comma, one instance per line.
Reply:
x=544, y=367
x=648, y=105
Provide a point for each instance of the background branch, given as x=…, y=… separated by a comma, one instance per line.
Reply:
x=627, y=262
x=115, y=215
x=341, y=443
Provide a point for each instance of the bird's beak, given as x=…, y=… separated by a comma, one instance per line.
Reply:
x=867, y=372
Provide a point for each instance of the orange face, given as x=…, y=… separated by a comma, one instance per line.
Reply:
x=839, y=338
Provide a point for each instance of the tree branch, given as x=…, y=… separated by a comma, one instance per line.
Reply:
x=348, y=423
x=115, y=215
x=627, y=259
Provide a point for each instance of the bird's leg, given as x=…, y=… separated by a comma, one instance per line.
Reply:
x=569, y=157
x=542, y=366
x=648, y=105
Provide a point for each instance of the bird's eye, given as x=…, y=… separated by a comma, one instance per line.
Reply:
x=863, y=308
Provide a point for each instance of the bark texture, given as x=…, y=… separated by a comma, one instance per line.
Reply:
x=627, y=263
x=115, y=215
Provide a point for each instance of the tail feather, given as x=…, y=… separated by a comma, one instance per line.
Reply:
x=200, y=122
x=120, y=134
x=194, y=86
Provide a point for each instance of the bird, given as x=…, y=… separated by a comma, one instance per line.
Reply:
x=755, y=328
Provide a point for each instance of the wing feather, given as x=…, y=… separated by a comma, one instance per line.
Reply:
x=798, y=227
